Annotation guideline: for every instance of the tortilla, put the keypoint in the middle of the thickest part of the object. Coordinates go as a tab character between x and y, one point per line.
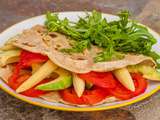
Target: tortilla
129	59
55	97
51	97
32	41
6	72
36	40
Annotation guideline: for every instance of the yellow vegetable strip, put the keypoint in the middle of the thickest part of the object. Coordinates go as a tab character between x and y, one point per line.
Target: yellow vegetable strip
10	56
35	67
8	47
45	70
79	85
125	78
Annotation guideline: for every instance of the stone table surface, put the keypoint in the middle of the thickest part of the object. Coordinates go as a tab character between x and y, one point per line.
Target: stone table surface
13	11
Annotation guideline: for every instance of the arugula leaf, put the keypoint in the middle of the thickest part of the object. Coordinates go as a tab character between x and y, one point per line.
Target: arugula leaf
115	38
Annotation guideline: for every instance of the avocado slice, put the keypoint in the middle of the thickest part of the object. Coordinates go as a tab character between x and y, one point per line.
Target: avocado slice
89	85
147	71
62	82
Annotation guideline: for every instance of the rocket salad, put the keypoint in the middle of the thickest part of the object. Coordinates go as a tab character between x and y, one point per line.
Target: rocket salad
86	62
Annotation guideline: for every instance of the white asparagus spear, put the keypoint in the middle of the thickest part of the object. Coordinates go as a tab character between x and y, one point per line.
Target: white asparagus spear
125	78
35	67
8	47
78	84
45	70
10	56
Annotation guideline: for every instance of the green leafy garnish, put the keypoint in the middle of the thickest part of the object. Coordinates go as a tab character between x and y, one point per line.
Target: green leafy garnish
115	37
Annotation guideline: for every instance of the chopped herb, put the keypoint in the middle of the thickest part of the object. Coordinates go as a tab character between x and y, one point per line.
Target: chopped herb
115	38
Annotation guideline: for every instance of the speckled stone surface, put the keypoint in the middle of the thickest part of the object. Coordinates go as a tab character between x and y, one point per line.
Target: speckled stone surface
13	11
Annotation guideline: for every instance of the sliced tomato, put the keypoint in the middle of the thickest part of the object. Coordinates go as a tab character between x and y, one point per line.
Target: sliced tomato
28	58
70	96
140	84
89	96
16	81
101	79
32	92
94	96
123	93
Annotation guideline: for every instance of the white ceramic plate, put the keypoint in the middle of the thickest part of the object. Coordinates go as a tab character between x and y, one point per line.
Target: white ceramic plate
73	16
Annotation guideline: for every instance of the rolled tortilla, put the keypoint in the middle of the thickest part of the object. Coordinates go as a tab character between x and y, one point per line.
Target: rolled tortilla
50	45
55	97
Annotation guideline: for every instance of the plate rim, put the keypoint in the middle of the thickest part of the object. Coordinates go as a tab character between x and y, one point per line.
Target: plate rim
80	109
75	109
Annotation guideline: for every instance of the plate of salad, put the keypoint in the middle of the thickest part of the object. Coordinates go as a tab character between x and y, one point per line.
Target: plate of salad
80	61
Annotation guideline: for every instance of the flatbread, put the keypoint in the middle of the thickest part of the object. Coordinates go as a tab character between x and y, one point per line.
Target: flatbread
36	40
129	59
6	72
51	97
55	97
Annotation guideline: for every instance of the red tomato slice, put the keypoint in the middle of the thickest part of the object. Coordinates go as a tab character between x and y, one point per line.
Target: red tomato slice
15	83
94	96
32	92
101	79
28	58
122	93
12	79
89	97
69	95
140	84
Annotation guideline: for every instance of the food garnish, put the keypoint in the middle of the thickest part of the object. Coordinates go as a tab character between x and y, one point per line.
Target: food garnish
115	37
